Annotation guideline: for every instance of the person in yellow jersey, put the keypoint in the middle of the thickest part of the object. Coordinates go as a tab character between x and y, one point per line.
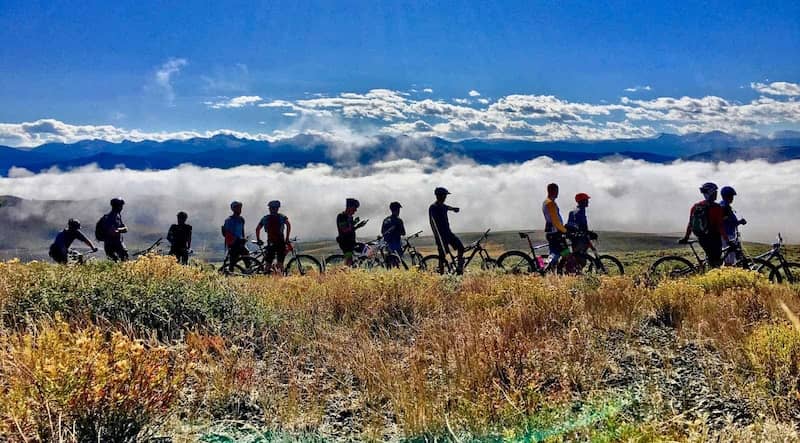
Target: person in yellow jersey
554	228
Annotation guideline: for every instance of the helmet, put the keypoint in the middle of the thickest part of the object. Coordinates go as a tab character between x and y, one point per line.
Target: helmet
394	206
441	191
352	203
274	204
581	197
236	204
74	224
117	202
183	215
727	191
708	187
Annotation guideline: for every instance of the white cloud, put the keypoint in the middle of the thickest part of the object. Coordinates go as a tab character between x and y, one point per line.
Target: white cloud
462	101
236	102
778	88
639	88
622	193
474	93
428	90
163	77
483	101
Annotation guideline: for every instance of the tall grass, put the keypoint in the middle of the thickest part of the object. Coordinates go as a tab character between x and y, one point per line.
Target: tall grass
405	353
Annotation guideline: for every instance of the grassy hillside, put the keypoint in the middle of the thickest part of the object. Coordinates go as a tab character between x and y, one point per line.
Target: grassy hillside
148	348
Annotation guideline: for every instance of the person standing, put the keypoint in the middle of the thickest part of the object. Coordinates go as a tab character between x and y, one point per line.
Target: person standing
346	227
730	222
111	227
554	228
393	230
180	239
59	250
278	231
705	222
444	236
233	231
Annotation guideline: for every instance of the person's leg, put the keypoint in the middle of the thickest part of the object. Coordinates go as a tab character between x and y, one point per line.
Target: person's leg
183	258
110	250
712	246
59	256
279	252
347	250
454	242
554	246
122	251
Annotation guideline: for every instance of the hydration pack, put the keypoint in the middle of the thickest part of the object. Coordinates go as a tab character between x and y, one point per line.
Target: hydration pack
100	228
701	221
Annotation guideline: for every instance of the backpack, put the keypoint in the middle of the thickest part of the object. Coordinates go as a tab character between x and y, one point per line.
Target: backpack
700	221
100	228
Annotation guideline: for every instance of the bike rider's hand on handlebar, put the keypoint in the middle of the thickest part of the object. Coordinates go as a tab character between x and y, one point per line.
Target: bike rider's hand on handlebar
742	222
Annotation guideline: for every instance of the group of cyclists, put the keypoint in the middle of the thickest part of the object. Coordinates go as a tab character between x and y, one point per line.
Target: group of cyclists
713	223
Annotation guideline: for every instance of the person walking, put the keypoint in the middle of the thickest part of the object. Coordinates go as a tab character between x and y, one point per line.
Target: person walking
109	230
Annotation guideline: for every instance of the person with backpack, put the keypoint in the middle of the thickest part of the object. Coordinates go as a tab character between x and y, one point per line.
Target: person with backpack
393	230
233	231
444	236
278	230
579	232
109	230
180	239
554	228
59	250
705	222
346	227
730	222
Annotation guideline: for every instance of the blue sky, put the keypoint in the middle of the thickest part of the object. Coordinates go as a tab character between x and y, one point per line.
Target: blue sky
166	67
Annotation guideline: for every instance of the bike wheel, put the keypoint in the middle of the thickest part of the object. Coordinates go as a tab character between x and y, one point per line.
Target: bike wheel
576	263
303	265
430	263
395	261
516	262
606	265
243	267
489	264
788	272
671	267
333	262
763	267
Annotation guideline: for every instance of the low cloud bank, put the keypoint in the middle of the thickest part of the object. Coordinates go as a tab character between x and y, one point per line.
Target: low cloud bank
627	195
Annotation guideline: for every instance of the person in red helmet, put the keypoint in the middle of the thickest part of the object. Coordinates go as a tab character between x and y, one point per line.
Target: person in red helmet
579	233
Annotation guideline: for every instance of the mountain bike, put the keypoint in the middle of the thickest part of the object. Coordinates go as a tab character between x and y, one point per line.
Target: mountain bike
589	261
371	255
76	257
450	266
298	264
519	262
155	247
674	266
790	270
244	266
394	260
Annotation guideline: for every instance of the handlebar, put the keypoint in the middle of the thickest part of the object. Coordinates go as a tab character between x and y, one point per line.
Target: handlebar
414	235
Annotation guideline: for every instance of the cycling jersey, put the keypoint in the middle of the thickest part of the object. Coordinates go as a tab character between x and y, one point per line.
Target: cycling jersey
438	217
274	225
179	237
233	230
577	219
729	219
392	231
552	217
65	238
112	222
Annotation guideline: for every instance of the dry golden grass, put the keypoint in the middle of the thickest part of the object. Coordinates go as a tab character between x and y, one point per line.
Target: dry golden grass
399	354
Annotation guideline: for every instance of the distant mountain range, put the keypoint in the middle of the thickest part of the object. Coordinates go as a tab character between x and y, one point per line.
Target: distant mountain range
224	151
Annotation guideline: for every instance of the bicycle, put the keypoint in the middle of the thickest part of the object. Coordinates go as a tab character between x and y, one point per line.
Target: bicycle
431	262
519	262
75	257
370	255
298	264
674	266
154	247
791	270
244	266
593	263
394	259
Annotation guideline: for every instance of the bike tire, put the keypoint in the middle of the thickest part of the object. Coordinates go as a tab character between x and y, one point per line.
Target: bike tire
589	265
670	267
489	264
430	263
607	265
335	261
516	262
303	264
791	272
245	266
763	267
395	261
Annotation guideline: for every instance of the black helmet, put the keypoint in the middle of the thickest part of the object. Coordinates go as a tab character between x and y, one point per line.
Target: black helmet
182	215
74	224
440	191
236	204
395	206
708	187
117	202
274	204
727	191
352	203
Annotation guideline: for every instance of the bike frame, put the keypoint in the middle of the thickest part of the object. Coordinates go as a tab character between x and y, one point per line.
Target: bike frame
476	249
775	252
533	248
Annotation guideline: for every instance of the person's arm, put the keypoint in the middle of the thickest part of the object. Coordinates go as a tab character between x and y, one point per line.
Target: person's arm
452	208
402	228
288	230
171	234
259	226
555	220
189	243
88	242
688	227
